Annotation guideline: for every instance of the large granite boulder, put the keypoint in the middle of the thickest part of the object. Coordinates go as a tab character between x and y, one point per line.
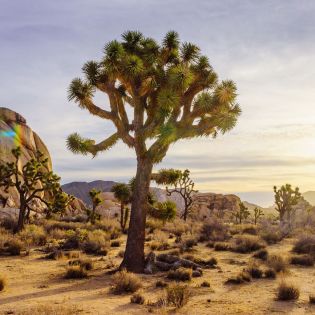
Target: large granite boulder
14	131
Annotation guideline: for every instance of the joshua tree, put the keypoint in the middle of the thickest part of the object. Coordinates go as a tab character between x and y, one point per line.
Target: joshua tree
182	184
257	214
173	94
122	192
285	199
96	201
31	181
241	214
164	211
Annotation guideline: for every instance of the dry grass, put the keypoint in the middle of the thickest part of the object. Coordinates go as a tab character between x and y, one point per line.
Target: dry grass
247	243
126	282
305	245
241	278
49	310
137	298
261	254
277	263
287	292
33	235
254	270
75	272
178	295
303	260
214	230
270	274
181	274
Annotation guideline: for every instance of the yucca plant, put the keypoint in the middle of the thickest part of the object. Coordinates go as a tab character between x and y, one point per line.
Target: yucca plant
173	94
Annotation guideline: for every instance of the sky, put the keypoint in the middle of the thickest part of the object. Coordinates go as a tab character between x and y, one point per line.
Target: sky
267	47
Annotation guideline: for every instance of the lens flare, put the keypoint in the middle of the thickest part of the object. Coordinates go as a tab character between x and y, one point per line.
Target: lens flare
14	134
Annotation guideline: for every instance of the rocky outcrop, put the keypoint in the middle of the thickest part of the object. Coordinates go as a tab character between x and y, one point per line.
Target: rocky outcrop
14	131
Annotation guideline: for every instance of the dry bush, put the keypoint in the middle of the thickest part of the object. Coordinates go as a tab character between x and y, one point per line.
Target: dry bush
261	254
206	263
305	245
86	263
55	254
160	241
287	292
312	299
75	272
254	270
48	309
121	254
205	284
221	246
72	254
188	244
161	284
2	283
96	242
33	235
214	230
303	260
8	223
180	274
247	243
74	238
242	277
270	234
57	234
178	295
153	225
249	229
137	298
14	247
126	282
270	274
115	244
277	263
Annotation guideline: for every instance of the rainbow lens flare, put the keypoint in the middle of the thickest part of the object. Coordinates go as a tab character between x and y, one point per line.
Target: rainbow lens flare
13	134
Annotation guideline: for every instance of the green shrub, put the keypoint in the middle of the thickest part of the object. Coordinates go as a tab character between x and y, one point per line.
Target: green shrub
180	274
137	299
247	243
75	272
126	282
303	260
287	292
178	295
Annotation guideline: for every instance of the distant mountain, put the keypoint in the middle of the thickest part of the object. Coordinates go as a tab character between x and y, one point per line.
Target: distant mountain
252	206
310	197
81	189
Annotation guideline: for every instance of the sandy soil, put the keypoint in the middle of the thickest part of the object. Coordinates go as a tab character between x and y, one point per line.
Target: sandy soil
35	281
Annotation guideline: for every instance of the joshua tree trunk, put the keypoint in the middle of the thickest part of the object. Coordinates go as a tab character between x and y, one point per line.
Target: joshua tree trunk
122	218
134	254
22	213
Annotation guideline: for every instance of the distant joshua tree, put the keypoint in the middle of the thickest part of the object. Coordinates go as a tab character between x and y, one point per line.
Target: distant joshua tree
241	214
158	95
285	199
96	200
183	185
122	192
258	212
32	181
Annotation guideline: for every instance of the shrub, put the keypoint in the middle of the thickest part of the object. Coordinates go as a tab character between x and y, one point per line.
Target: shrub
137	299
270	274
33	235
255	271
205	284
86	264
239	279
305	245
115	244
261	254
96	242
214	230
287	292
180	274
2	283
56	255
14	247
178	295
58	234
210	244
125	282
271	234
75	272
73	254
161	284
277	263
207	263
247	243
304	260
312	299
249	229
221	246
160	241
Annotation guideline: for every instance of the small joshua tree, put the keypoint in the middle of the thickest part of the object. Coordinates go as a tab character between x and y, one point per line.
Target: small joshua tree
285	199
122	192
241	214
258	212
183	185
164	211
32	181
158	94
96	201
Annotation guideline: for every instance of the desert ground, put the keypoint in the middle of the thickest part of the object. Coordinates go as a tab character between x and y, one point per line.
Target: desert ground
36	285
